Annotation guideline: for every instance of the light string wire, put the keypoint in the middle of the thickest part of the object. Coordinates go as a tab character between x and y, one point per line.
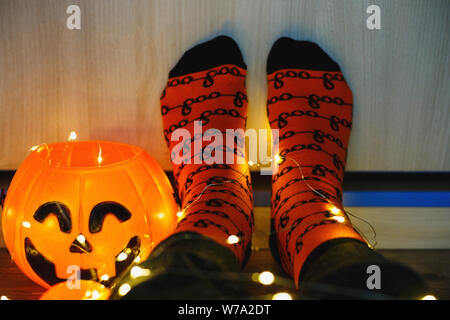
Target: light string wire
374	237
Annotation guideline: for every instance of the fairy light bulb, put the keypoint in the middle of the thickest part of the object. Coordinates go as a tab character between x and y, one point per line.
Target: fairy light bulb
338	219
250	163
278	159
233	239
34	148
335	210
137	259
104	277
282	296
429	297
4	298
122	256
266	278
100	158
81	238
95	295
124	289
26	224
72	136
180	214
137	271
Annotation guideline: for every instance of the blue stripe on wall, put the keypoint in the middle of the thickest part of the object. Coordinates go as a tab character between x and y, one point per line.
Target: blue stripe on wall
396	199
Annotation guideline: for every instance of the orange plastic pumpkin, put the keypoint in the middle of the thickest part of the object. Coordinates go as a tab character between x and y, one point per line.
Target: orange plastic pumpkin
86	290
90	204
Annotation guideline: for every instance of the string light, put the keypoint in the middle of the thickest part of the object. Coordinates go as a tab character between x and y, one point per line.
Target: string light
335	210
180	214
104	277
282	296
124	289
81	239
266	278
99	158
122	256
26	224
95	295
161	215
429	297
233	239
72	136
278	159
340	219
137	271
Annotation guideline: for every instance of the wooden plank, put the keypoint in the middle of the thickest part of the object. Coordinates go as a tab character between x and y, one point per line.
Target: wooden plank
104	81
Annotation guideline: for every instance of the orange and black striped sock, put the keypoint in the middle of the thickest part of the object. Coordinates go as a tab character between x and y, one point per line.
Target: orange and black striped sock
311	105
207	87
313	239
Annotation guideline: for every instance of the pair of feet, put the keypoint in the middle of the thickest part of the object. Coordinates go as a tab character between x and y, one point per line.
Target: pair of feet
310	104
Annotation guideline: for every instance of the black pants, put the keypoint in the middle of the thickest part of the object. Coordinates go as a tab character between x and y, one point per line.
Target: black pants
191	266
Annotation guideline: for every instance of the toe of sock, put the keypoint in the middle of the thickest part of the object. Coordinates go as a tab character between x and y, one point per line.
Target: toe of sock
288	53
216	52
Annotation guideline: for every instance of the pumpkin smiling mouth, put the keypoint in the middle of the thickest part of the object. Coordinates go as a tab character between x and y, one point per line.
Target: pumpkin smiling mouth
46	270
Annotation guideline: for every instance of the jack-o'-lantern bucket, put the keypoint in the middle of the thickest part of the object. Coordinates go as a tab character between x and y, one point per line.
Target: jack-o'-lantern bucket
86	207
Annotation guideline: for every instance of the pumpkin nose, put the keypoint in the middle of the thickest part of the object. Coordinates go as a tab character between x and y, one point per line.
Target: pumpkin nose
80	245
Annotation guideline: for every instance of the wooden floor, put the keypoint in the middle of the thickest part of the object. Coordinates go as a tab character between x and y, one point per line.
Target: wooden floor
432	265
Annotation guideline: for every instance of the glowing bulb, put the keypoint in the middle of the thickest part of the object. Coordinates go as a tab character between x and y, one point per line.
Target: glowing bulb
124	289
104	277
282	296
72	136
335	210
26	224
34	148
137	259
87	294
339	219
4	298
233	239
161	215
81	239
266	278
180	214
278	159
250	163
95	295
429	297
122	256
139	272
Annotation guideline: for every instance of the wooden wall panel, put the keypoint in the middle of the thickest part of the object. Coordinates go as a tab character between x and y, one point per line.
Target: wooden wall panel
104	81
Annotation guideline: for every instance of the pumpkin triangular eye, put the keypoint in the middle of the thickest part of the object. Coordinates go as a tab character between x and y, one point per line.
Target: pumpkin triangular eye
61	212
99	212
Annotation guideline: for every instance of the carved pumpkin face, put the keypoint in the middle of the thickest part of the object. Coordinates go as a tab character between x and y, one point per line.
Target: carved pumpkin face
91	205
